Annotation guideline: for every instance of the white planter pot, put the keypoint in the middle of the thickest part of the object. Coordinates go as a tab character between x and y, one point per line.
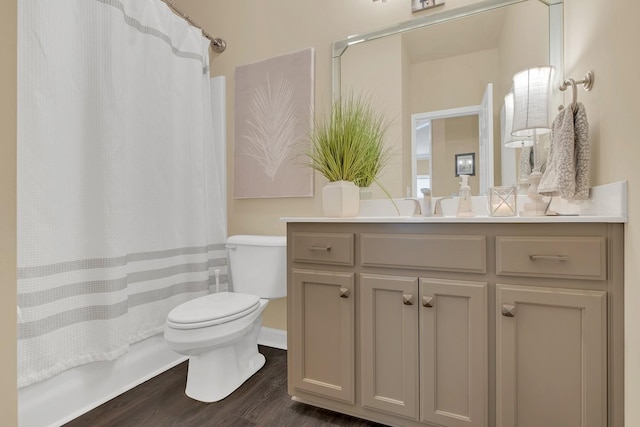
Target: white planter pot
341	199
366	193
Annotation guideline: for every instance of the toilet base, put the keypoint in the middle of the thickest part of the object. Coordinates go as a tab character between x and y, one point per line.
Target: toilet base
215	374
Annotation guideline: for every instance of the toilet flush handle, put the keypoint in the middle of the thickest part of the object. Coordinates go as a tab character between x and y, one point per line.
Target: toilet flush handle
230	246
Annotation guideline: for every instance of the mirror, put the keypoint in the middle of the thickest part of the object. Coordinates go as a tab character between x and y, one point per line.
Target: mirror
444	61
458	134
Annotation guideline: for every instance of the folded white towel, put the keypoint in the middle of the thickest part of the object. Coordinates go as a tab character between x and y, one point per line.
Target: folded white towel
568	167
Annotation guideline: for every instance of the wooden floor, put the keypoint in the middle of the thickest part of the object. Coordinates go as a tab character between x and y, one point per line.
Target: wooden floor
261	401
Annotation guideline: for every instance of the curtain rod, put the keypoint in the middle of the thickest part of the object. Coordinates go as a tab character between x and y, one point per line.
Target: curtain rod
217	44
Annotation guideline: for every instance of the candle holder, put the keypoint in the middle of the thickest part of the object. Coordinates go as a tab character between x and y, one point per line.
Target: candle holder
503	201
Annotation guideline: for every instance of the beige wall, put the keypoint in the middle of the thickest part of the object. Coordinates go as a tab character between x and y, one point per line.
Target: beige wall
8	364
423	167
363	70
461	135
454	82
407	132
523	43
599	35
453	136
602	36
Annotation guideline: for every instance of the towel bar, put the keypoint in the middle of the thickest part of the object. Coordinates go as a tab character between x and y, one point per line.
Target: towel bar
587	84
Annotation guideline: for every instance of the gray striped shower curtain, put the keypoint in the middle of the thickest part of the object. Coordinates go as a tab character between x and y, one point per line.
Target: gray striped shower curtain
121	209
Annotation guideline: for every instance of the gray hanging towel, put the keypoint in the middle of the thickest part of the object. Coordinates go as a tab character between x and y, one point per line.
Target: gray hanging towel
568	166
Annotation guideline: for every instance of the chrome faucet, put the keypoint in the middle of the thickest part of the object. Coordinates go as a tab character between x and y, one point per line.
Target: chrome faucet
437	211
418	209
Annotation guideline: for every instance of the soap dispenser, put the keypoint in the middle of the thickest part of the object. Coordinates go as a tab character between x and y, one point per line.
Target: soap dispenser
465	208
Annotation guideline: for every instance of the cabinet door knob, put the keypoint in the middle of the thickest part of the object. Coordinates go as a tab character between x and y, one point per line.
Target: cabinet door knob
407	299
508	310
344	292
427	301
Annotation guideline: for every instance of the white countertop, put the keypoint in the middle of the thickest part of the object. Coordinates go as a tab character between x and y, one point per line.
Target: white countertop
607	203
453	219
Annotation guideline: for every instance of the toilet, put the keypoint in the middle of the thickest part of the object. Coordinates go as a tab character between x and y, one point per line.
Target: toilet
219	332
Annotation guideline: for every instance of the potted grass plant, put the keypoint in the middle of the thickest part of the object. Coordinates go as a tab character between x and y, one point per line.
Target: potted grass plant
348	149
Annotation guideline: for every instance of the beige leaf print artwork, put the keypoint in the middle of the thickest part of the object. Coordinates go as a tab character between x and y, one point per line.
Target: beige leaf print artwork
271	128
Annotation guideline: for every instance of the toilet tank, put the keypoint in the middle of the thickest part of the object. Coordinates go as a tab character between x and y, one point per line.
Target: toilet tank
258	265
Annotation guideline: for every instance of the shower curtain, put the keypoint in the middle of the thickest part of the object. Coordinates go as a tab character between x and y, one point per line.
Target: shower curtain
121	213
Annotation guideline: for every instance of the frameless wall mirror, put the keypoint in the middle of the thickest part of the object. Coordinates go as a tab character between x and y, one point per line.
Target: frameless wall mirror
458	61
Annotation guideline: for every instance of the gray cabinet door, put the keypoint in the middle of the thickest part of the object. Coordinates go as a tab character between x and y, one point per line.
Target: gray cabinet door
389	343
550	357
323	345
453	353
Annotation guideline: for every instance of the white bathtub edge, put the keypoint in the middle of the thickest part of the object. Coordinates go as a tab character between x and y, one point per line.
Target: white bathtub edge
60	399
66	396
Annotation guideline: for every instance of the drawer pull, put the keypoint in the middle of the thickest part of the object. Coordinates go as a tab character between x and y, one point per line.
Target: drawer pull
344	292
407	299
320	248
508	310
548	257
427	301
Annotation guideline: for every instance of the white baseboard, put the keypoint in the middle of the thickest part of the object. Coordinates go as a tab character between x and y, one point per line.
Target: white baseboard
276	338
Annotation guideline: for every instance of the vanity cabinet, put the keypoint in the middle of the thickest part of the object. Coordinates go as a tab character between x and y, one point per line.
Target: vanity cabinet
453	353
389	344
423	348
474	325
324	309
551	355
324	363
553	340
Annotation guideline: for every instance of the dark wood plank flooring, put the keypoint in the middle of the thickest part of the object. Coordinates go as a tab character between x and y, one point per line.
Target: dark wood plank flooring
261	401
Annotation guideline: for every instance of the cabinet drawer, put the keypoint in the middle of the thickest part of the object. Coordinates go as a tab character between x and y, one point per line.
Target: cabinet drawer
463	253
323	248
559	257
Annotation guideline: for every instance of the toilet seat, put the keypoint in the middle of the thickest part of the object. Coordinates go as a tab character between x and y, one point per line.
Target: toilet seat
211	310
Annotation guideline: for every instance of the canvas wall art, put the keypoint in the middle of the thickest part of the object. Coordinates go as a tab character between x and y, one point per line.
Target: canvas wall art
273	115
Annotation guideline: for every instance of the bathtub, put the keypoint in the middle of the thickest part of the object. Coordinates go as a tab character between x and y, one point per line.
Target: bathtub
68	395
71	393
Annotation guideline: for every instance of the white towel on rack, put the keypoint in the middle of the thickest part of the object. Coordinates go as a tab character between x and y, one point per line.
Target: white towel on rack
568	168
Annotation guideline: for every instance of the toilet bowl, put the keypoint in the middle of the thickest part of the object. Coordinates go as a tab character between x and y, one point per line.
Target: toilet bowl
219	332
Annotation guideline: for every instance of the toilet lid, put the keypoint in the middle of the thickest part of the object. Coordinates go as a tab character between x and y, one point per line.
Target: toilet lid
212	309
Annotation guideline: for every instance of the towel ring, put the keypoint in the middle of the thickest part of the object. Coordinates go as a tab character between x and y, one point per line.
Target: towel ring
587	84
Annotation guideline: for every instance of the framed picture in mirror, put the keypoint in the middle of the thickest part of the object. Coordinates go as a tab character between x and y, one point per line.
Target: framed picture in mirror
418	5
466	164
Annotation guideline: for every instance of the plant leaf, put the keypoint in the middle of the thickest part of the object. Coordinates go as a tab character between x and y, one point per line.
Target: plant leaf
349	144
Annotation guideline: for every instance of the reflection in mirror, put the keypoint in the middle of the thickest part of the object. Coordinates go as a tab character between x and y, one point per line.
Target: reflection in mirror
442	66
450	133
444	138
